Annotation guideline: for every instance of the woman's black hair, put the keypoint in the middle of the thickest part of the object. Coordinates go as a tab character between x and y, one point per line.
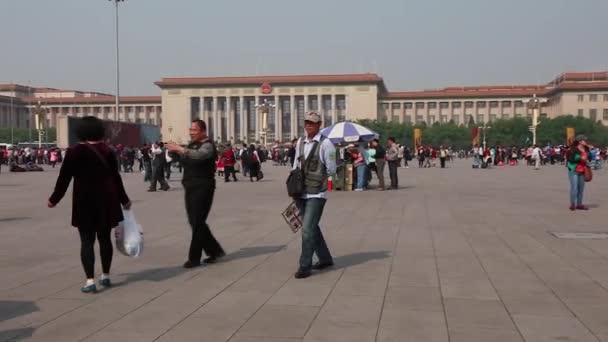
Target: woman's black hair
90	128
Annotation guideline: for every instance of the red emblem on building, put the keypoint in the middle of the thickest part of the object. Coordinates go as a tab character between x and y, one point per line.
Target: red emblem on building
266	88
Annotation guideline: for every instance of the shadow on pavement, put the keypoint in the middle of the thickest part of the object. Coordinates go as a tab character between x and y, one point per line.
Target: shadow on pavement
16	334
153	274
344	261
164	273
249	252
10	309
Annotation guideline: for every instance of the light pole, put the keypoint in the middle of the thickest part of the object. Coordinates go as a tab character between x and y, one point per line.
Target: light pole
264	109
484	128
117	100
11	122
535	103
40	118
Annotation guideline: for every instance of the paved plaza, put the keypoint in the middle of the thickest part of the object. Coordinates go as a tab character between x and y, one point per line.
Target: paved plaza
455	255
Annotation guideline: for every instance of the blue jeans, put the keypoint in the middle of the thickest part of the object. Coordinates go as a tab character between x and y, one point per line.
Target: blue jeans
577	187
312	239
361	176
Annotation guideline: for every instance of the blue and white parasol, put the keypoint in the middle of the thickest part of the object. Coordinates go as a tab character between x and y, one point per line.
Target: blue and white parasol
348	132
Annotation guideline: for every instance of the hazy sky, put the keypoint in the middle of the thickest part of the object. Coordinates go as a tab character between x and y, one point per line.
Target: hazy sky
412	44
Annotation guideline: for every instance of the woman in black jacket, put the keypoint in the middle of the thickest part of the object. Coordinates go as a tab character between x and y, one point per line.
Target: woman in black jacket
96	198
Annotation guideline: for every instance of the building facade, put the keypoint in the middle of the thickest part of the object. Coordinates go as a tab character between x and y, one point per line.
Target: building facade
17	103
229	105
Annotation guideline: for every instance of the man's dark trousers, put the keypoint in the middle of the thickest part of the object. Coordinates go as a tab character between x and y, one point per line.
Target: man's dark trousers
199	198
392	171
312	239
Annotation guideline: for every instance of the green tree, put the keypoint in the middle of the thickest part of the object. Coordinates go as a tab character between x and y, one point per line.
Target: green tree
503	132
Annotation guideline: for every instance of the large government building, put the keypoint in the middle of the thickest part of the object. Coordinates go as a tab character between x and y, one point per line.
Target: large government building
228	104
231	105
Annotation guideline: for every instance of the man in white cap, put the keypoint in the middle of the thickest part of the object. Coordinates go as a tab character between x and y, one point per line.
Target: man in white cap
316	157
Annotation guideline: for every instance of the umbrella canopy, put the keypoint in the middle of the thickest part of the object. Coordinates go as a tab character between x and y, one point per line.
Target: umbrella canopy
348	132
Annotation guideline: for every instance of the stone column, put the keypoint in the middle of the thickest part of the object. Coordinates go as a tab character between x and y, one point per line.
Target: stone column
334	109
294	117
215	115
201	109
320	109
278	119
258	119
229	120
242	119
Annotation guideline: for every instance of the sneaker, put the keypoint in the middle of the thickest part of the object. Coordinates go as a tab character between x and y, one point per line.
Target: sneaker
213	259
105	282
301	274
322	265
582	207
89	289
191	264
572	208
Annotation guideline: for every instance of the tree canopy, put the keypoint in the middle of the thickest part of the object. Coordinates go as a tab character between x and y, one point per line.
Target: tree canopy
23	135
504	132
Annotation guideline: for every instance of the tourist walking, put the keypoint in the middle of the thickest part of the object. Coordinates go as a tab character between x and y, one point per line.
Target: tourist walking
252	159
159	161
537	156
380	162
97	199
392	154
577	162
316	158
229	160
198	160
443	155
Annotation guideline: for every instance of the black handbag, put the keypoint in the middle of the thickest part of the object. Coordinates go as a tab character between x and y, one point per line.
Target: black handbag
295	183
295	180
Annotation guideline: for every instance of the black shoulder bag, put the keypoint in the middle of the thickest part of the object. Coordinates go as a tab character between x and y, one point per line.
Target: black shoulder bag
295	180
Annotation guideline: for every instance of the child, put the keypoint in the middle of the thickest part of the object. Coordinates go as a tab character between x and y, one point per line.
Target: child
220	166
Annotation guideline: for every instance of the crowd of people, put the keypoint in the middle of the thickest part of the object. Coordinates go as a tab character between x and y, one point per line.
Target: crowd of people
532	156
100	195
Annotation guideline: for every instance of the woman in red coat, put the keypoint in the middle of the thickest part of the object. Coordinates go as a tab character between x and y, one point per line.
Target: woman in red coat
96	197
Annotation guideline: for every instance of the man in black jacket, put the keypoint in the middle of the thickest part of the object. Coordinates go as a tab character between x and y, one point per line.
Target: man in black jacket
380	162
198	160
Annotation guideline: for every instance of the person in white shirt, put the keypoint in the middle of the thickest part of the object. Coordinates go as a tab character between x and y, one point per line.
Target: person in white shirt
537	156
316	157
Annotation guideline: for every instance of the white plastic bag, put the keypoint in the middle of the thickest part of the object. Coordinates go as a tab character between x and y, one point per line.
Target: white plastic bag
129	235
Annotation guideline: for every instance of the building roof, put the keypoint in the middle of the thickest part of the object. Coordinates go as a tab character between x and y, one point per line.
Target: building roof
15	87
467	93
259	80
567	82
580	77
92	100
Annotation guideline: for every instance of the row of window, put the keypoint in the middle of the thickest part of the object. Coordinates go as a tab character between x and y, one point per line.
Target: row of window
592	97
456	118
445	105
593	113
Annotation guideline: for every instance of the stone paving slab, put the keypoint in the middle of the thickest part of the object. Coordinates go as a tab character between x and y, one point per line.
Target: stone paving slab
454	255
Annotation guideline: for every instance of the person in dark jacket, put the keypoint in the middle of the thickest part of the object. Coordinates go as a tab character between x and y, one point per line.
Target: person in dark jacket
252	158
96	199
159	162
198	159
380	163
